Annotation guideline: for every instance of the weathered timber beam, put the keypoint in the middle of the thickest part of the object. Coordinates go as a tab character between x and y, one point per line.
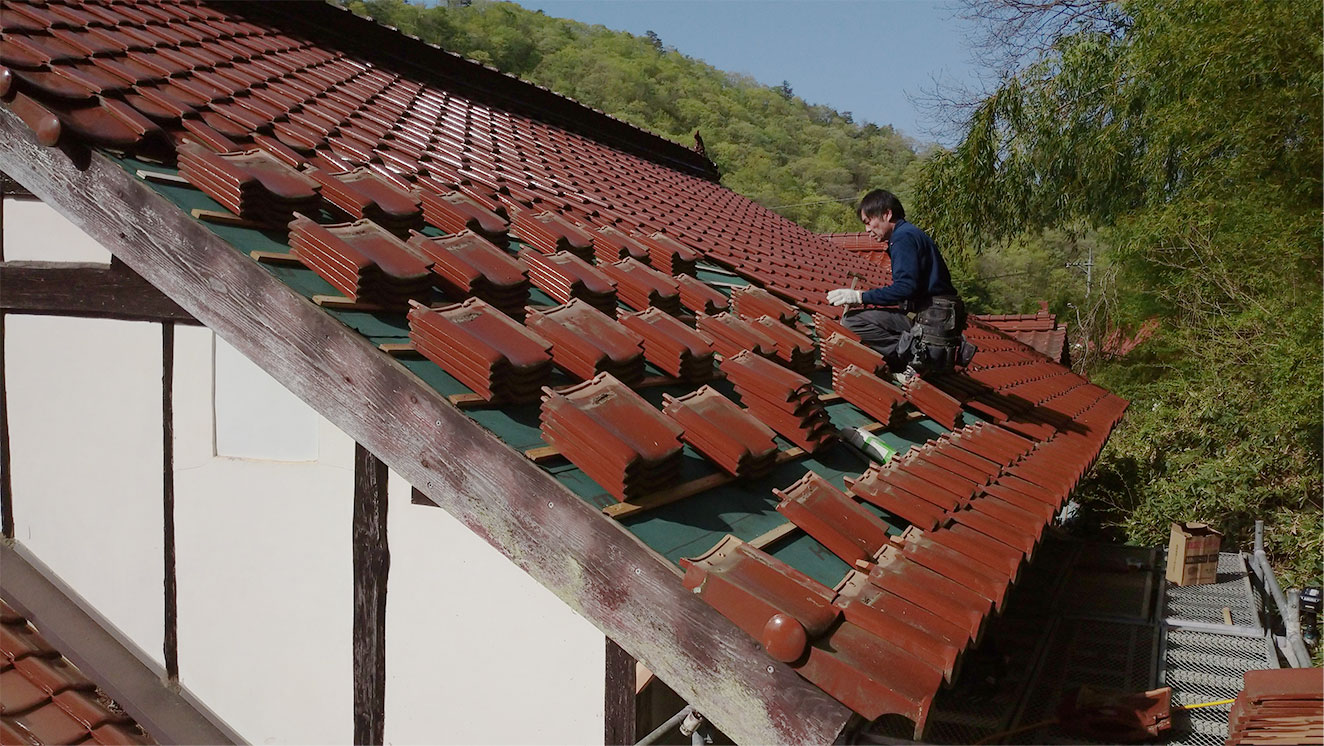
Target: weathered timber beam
91	290
596	567
372	564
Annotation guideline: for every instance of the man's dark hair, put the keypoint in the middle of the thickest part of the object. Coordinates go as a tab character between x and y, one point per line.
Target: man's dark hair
879	201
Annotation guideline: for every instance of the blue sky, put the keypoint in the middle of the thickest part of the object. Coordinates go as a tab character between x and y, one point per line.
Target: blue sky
861	56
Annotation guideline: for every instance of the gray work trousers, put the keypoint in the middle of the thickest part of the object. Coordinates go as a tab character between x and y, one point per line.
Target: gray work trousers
881	330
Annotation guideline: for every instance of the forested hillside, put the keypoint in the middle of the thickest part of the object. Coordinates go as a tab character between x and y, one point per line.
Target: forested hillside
769	144
1176	144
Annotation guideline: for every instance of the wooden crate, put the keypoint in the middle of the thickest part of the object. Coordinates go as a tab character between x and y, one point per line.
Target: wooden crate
1193	554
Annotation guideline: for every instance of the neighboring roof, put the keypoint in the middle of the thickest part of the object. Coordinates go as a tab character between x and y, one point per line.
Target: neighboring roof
873	602
1118	344
45	699
1038	330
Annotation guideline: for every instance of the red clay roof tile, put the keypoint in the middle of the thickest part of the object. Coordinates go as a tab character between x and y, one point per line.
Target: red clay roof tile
723	432
617	438
669	344
45	699
839	523
586	343
753	589
485	349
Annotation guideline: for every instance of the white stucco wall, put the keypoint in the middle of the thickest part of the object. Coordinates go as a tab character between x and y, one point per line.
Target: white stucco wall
85	445
263	563
36	232
477	651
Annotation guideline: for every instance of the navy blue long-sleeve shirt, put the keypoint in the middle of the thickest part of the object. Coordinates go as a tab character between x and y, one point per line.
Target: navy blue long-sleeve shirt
918	270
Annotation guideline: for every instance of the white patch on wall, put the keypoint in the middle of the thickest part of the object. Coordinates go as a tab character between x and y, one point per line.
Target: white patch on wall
256	417
35	232
264	566
86	446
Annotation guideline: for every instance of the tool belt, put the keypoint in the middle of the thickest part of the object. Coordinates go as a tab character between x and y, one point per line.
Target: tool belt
936	332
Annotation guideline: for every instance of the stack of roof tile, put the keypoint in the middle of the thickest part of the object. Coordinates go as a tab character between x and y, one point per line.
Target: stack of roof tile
674	348
840	352
752	302
700	297
586	343
365	194
640	286
611	245
782	399
794	350
878	398
467	264
613	435
483	348
669	255
1279	706
825	327
549	233
362	260
454	212
45	699
723	432
732	335
564	276
935	403
252	184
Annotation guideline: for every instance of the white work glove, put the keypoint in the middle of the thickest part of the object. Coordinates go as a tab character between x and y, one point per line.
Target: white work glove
844	297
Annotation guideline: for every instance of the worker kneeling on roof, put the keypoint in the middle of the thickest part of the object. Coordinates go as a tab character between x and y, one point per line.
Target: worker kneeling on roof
921	288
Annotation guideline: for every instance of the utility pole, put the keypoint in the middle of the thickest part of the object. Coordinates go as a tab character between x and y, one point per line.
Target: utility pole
1088	266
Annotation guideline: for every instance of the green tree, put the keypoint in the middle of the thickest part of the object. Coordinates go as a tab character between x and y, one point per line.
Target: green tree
1184	137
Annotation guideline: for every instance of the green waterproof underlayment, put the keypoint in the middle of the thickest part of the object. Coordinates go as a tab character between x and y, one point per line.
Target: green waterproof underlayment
686	528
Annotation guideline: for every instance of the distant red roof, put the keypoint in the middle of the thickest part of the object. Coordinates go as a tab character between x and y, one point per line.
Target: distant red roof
1038	330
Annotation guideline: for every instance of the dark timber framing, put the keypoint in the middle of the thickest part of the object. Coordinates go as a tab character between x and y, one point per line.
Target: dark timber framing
6	473
595	566
170	642
618	709
83	289
372	565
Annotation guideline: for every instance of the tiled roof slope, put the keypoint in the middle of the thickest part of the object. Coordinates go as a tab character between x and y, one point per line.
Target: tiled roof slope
863	245
45	699
869	582
144	76
1039	330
